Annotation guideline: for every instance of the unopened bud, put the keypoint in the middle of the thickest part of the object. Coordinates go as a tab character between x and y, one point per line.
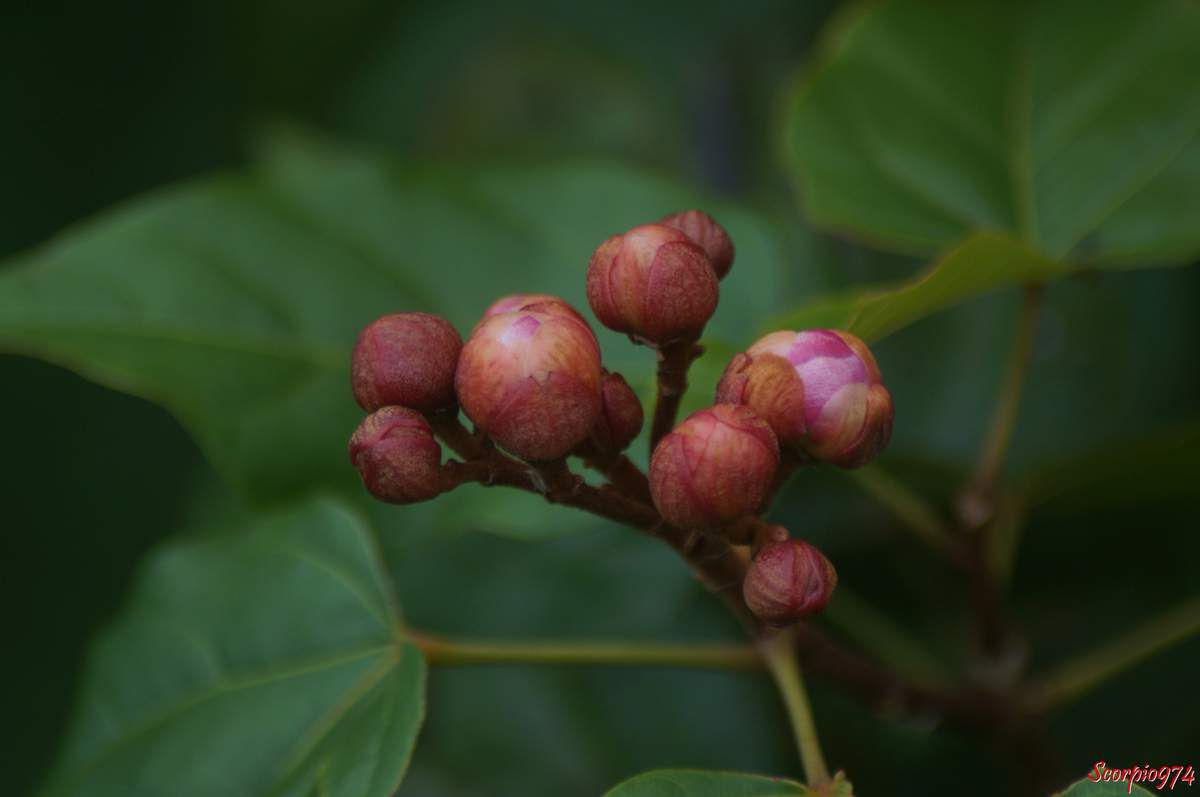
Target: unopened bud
652	283
832	405
788	581
715	467
621	416
541	302
396	455
710	236
406	359
531	380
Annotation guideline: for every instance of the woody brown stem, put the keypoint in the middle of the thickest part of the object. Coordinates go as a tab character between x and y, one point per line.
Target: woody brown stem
721	567
674	359
621	472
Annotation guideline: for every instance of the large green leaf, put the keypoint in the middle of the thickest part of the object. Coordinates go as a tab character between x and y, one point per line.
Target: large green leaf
234	301
1071	125
265	660
983	263
1090	788
694	783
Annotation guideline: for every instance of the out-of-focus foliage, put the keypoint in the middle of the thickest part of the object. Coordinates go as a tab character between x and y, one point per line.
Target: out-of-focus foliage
686	783
261	660
1072	125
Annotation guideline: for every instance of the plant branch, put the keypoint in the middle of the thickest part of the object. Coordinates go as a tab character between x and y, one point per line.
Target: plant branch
674	359
779	653
620	471
445	651
721	567
977	501
1076	677
914	514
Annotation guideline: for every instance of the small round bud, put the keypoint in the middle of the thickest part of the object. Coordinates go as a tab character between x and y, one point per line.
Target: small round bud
621	416
652	283
788	581
406	359
715	467
710	236
832	405
542	302
531	380
396	455
770	386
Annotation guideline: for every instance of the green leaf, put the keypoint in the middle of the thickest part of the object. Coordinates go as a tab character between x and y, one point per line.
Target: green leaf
234	301
1088	788
278	639
924	122
983	263
694	783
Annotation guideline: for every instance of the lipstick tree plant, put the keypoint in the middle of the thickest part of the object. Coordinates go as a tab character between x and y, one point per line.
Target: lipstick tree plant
271	656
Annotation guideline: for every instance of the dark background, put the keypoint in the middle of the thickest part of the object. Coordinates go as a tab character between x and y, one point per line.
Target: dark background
105	100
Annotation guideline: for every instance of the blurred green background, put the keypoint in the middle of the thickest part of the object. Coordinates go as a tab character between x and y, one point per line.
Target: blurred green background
105	101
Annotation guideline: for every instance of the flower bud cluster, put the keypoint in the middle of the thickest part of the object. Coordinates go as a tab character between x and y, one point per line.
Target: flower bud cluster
530	378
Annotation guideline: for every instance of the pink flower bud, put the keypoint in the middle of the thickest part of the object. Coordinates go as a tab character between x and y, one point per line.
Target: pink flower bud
653	283
836	409
715	467
710	236
531	380
542	302
787	581
621	417
406	359
396	455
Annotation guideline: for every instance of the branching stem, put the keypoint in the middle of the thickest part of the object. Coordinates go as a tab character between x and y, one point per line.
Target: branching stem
674	359
1088	671
452	652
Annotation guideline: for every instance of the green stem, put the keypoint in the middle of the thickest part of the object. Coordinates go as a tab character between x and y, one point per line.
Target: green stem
1077	677
451	652
978	499
910	509
779	653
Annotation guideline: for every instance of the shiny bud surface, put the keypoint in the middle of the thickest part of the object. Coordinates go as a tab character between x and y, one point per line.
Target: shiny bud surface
531	381
406	359
653	283
395	453
836	410
788	581
709	235
715	467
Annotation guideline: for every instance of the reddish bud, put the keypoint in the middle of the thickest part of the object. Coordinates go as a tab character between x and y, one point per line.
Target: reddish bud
706	233
715	467
621	416
653	283
770	386
787	581
396	455
406	359
542	302
531	380
831	406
